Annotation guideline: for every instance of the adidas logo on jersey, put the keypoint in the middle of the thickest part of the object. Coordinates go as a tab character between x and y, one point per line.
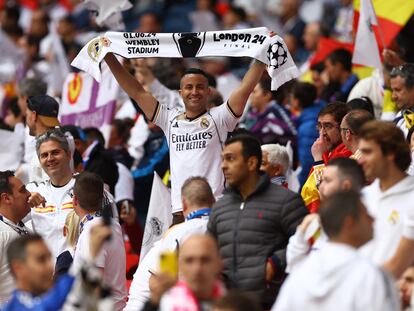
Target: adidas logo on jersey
176	124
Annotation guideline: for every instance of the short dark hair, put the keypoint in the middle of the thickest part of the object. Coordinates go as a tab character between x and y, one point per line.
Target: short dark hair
17	248
405	71
356	119
337	109
89	190
336	208
350	169
391	140
197	191
5	186
196	71
250	146
237	300
305	93
362	103
342	56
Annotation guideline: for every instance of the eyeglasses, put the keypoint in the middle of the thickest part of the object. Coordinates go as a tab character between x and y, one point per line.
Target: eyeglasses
326	126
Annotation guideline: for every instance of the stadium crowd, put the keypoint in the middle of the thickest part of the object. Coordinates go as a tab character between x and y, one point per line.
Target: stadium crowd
188	183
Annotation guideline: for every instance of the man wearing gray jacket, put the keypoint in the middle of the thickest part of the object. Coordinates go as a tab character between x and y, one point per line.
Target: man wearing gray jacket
253	221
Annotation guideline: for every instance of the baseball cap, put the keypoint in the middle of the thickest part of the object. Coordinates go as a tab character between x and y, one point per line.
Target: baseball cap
46	107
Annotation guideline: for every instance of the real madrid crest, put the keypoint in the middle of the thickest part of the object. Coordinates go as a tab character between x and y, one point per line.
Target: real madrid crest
204	123
95	47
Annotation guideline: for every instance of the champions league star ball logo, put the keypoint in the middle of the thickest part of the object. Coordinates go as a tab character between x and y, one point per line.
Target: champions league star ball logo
277	55
189	44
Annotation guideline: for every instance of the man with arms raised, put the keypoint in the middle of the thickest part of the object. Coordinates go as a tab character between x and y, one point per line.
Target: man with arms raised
195	136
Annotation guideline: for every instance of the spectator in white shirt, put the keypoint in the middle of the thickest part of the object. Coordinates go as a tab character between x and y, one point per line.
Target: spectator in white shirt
197	198
88	197
385	157
336	277
13	208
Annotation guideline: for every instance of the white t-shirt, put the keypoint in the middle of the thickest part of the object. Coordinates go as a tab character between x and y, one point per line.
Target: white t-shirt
112	259
337	278
49	221
393	218
195	146
139	291
7	285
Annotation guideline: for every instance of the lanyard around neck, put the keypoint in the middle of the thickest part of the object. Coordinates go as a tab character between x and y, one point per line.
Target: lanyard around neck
19	228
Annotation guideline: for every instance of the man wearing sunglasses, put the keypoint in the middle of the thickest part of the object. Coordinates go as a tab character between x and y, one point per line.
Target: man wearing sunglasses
402	86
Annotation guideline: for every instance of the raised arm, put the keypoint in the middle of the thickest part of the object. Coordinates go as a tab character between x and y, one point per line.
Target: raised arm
132	87
240	95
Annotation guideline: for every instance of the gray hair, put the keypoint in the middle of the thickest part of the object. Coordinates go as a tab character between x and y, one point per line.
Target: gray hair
32	87
277	155
54	134
405	71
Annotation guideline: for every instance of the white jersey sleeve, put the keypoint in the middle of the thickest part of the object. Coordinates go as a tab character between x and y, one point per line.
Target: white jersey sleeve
162	117
224	117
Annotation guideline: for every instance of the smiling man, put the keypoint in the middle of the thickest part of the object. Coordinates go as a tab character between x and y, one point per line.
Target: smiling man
195	136
49	218
253	221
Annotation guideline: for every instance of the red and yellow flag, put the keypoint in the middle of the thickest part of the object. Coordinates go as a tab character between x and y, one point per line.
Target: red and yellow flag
391	16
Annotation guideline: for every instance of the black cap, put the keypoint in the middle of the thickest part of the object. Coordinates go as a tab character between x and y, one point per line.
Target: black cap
46	107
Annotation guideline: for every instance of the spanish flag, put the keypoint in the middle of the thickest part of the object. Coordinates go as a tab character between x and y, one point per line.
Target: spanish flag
392	15
310	192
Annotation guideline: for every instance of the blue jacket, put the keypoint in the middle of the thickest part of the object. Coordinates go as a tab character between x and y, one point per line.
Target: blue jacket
307	134
52	300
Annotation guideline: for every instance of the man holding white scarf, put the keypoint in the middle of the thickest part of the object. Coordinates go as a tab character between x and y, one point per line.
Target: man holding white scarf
194	136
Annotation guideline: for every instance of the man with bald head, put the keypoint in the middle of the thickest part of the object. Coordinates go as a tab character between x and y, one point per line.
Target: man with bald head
199	266
197	198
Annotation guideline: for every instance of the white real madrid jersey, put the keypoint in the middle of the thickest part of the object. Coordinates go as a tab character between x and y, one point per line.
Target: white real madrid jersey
195	146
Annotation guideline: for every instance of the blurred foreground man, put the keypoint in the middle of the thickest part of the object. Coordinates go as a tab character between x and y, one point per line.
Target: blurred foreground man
199	267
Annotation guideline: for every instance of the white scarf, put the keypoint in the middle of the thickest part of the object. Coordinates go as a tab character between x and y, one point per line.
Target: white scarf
253	42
